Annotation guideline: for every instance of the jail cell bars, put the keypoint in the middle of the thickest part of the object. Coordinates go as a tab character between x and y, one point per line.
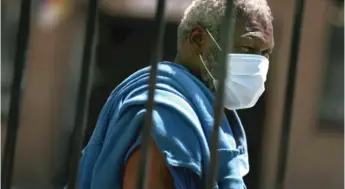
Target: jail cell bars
227	31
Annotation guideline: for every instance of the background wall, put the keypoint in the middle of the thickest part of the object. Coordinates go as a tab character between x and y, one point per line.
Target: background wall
316	150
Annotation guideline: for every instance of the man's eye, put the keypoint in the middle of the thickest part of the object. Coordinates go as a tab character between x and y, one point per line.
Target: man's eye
266	54
247	49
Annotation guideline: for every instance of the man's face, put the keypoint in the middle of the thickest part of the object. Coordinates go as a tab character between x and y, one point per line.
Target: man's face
253	35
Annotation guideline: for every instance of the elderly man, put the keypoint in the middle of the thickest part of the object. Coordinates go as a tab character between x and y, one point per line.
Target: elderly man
183	114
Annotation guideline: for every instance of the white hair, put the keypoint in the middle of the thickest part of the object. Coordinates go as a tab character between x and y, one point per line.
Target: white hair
209	13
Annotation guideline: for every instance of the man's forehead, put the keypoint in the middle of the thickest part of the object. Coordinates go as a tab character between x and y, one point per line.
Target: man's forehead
258	25
251	22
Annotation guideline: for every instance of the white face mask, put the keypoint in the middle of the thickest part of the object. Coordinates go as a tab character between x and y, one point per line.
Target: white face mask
245	81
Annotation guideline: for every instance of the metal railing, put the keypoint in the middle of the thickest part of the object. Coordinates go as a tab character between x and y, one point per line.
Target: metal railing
146	131
16	94
289	94
84	92
227	31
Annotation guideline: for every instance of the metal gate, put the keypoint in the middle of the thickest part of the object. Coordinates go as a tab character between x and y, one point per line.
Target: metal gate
84	92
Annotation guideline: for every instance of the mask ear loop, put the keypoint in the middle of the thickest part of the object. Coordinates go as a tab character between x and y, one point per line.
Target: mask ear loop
208	71
202	60
209	33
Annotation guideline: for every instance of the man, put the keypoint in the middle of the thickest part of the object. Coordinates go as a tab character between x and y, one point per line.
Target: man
183	114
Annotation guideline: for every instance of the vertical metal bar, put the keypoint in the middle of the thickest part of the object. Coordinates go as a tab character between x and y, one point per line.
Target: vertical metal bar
146	131
285	134
226	42
16	94
83	93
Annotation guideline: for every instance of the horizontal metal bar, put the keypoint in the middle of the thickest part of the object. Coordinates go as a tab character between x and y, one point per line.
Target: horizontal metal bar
83	93
16	94
226	43
289	95
146	131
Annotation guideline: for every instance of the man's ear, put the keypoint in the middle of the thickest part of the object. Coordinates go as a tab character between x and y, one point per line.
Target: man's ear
197	39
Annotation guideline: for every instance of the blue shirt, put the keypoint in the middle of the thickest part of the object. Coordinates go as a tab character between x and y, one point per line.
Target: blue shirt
182	130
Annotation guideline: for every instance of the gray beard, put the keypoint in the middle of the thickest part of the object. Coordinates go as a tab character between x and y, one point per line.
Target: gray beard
211	63
208	81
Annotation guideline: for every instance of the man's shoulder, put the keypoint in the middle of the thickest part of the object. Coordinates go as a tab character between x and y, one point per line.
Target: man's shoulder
163	69
169	75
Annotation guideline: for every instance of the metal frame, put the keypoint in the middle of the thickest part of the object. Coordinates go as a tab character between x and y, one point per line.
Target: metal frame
146	131
289	94
16	94
83	93
226	32
226	43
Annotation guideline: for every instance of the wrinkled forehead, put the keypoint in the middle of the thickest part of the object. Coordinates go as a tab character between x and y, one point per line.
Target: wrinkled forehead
250	26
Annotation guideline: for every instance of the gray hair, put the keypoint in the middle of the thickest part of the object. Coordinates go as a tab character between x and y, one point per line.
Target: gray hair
209	13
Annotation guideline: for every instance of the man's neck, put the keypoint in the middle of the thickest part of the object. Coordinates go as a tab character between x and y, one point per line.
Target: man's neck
189	66
196	72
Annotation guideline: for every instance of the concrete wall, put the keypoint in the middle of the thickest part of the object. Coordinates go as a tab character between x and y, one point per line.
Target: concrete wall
46	120
315	157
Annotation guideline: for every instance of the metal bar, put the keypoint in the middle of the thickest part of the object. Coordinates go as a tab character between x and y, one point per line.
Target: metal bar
226	43
16	94
285	134
146	131
83	93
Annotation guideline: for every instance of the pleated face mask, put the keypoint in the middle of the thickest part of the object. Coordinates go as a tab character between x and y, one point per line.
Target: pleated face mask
245	81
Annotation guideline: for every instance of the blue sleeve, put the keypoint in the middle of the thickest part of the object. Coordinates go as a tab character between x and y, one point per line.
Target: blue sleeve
230	170
181	130
181	139
178	135
183	178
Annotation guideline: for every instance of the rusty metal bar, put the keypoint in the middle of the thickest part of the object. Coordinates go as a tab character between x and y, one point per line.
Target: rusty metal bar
291	79
83	93
226	43
16	94
156	56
